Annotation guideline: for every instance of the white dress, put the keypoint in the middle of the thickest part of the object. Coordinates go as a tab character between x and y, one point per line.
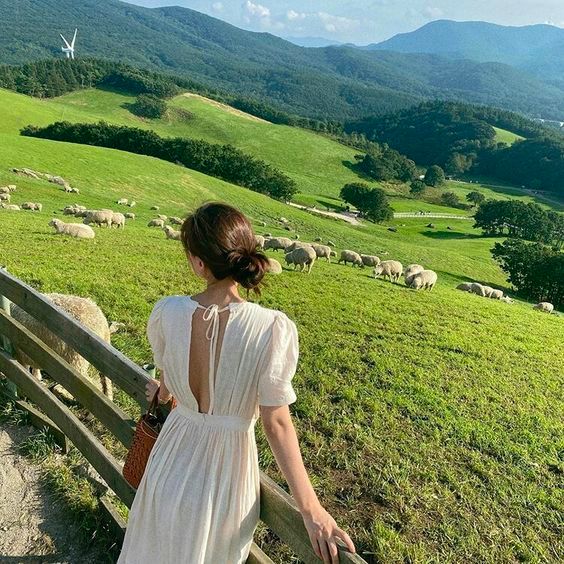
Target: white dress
198	501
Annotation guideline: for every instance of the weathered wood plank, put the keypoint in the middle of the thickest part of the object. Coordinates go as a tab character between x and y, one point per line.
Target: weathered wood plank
111	416
257	556
5	342
108	360
40	421
102	461
279	511
116	522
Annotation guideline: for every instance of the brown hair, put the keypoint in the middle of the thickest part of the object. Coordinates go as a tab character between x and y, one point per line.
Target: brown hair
222	237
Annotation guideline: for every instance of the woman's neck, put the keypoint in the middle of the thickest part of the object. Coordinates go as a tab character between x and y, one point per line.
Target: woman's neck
220	292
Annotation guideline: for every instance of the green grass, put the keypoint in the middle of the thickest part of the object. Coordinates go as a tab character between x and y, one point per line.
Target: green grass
504	136
431	423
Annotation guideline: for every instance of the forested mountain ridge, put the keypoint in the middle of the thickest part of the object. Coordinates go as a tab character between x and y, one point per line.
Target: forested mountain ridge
327	83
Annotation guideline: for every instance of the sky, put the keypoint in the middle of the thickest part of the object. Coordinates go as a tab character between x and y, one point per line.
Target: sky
365	21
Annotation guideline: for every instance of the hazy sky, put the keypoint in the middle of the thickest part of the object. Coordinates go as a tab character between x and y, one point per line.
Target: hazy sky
366	21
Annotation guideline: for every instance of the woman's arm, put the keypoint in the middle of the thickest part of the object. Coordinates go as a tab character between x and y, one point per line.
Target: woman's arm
283	441
152	386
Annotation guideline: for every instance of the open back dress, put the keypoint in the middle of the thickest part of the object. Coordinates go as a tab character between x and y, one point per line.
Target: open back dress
198	500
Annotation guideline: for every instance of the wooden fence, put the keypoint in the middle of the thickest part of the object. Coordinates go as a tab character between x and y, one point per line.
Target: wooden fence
277	509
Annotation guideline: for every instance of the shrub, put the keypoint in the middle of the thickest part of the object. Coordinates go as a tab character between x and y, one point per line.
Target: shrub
148	105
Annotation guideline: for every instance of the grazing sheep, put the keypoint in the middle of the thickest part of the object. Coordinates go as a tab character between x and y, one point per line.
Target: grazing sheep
323	251
352	257
431	225
318	240
390	268
73	229
175	220
132	204
84	311
122	202
274	266
507	300
12	207
496	294
488	291
156	223
70	210
33	206
370	260
276	243
465	287
477	289
163	217
6	197
99	217
129	215
70	189
11	187
424	279
171	233
118	219
411	270
544	306
304	257
283	220
4	189
156	208
297	245
260	240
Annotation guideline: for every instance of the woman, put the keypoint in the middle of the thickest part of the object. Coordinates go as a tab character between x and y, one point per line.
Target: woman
226	361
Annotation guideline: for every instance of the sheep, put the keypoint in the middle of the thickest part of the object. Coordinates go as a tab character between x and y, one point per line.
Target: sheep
6	197
33	206
86	312
430	225
370	260
156	223
11	187
304	257
171	233
122	202
132	204
4	190
318	240
544	306
323	251
507	300
259	239
99	217
69	210
496	294
425	279
155	208
390	268
73	229
410	270
276	243
297	245
352	257
129	215
68	188
163	217
477	289
175	220
274	267
465	287
118	219
12	207
488	291
283	220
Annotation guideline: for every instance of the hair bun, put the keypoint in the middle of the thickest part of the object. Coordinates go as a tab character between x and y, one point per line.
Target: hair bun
248	269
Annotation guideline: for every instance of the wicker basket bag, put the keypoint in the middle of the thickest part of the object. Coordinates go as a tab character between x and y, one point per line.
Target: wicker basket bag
146	432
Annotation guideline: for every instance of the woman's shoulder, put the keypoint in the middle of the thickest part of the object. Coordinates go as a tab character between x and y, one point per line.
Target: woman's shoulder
269	315
169	303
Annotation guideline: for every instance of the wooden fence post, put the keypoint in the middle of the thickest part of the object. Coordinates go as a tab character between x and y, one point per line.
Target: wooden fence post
5	304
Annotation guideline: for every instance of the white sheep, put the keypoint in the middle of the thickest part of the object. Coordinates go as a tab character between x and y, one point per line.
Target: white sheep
410	270
465	287
156	223
122	202
478	289
276	243
99	217
496	294
259	240
6	197
488	291
171	233
4	189
390	268
33	206
12	207
544	306
425	279
73	229
84	311
118	219
370	260
323	251
302	257
175	220
163	217
350	256
132	204
12	187
129	215
274	267
297	245
156	208
507	300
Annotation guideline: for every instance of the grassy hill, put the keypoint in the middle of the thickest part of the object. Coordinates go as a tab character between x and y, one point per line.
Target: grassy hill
431	423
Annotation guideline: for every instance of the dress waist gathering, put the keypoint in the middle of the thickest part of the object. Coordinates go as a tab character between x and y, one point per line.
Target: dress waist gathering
227	422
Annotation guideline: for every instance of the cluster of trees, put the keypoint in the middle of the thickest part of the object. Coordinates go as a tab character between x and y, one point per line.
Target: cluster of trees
372	203
149	105
383	163
223	161
535	270
520	220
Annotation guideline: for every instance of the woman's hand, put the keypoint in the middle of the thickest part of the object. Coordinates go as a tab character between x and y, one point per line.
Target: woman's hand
323	530
150	388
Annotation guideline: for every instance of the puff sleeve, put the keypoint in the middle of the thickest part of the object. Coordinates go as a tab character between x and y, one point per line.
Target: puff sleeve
275	380
155	333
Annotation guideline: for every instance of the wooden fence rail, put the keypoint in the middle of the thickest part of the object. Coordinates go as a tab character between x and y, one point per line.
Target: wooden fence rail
278	509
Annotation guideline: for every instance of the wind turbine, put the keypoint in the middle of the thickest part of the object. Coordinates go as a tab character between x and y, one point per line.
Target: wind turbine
69	49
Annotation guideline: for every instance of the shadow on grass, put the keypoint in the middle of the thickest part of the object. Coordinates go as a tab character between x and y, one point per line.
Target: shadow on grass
450	235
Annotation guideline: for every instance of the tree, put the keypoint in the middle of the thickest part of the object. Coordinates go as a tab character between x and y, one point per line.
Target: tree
434	176
371	202
355	193
450	199
148	105
417	188
475	198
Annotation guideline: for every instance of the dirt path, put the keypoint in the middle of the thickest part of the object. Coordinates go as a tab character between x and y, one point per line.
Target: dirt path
34	527
430	215
224	107
349	218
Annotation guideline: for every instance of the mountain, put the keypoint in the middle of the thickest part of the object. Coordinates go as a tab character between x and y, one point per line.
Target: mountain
538	49
312	41
328	83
